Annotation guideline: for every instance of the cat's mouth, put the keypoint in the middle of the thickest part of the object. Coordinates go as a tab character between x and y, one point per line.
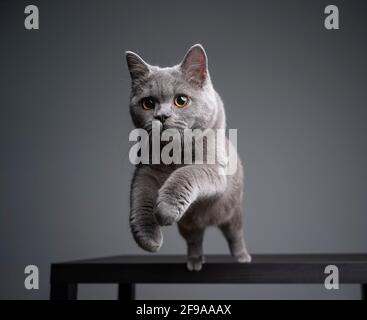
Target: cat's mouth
178	125
159	127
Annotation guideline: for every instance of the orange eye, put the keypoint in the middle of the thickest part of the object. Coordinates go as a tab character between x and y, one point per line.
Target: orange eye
181	100
148	103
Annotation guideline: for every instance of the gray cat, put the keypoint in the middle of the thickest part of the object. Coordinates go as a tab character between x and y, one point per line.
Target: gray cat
196	195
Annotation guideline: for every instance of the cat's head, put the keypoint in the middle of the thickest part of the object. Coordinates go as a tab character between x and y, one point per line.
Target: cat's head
180	97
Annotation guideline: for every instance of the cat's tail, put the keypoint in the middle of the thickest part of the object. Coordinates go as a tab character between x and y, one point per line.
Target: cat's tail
146	231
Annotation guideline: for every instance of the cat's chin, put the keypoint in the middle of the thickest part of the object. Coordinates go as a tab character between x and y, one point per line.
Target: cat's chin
173	127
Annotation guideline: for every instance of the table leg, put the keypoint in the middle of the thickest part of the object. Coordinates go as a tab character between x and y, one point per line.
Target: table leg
67	291
364	291
126	291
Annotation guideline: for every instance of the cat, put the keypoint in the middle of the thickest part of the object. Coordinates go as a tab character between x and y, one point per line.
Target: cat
194	196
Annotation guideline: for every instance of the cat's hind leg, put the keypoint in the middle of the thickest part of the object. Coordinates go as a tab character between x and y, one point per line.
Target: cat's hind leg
194	240
233	232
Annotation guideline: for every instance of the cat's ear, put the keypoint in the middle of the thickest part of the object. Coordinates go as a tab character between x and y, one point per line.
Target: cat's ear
137	66
195	65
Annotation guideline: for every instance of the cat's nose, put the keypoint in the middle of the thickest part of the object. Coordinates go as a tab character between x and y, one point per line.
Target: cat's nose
161	117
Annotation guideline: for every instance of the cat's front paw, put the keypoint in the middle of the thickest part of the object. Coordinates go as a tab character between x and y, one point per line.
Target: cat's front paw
194	263
151	240
244	257
166	214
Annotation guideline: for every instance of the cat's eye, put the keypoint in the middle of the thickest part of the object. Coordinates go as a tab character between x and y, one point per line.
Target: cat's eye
181	100
148	103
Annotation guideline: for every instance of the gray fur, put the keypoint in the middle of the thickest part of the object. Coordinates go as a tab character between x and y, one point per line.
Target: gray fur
195	196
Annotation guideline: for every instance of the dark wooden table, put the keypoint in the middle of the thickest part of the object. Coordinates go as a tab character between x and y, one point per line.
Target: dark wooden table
126	271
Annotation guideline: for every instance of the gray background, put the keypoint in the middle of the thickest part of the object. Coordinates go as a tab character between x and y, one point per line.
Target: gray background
295	92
